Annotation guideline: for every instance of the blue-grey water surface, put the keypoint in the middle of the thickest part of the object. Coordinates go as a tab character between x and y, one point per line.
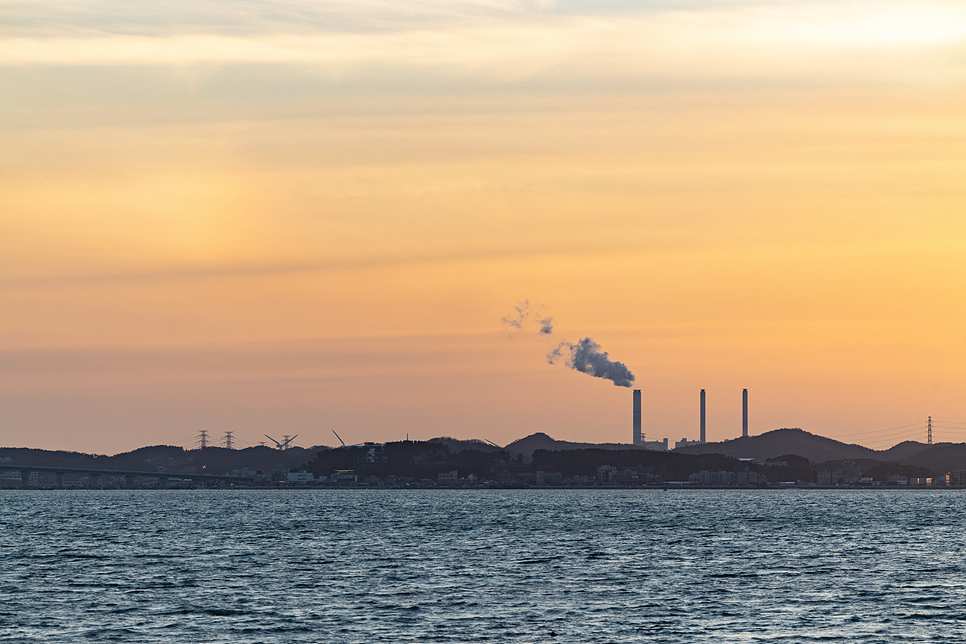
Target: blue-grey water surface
482	566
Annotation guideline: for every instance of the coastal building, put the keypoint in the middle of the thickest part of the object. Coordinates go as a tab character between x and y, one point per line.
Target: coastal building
344	476
684	442
631	476
606	474
848	474
447	478
548	478
705	477
724	478
299	477
747	477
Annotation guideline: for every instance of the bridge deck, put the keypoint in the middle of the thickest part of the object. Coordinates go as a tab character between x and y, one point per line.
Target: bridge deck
99	472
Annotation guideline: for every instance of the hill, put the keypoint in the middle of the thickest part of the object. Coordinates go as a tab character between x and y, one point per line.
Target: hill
940	459
527	446
166	458
936	459
773	444
458	444
902	451
481	455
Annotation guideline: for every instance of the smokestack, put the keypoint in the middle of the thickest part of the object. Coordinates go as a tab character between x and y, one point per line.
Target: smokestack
702	418
744	413
637	418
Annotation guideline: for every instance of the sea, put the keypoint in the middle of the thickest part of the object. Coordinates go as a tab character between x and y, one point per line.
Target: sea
289	566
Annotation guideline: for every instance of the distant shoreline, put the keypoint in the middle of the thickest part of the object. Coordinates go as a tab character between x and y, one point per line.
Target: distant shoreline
649	488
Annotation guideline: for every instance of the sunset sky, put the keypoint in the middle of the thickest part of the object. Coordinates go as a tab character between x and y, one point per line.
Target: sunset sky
294	217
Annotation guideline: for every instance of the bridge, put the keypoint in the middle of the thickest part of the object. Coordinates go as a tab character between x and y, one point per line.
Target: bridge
129	475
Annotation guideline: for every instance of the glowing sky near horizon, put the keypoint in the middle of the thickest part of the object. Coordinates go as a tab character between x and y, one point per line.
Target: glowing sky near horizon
294	217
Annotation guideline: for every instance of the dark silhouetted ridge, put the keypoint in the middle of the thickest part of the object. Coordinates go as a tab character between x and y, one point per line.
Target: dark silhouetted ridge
533	442
938	459
773	444
902	451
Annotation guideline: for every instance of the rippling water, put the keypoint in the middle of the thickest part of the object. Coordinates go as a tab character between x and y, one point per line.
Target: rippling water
474	566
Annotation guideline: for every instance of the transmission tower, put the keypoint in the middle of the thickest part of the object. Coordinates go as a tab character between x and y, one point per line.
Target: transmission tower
929	431
203	438
229	444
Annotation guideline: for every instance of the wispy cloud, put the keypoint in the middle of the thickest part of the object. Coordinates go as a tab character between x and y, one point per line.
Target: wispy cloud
510	41
254	269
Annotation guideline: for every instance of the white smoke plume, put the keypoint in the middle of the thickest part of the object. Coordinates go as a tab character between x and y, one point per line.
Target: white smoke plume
586	357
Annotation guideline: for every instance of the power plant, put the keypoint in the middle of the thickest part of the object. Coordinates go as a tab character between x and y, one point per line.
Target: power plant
744	413
703	423
638	435
637	417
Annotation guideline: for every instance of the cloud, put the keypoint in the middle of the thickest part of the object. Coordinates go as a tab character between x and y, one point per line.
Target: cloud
506	45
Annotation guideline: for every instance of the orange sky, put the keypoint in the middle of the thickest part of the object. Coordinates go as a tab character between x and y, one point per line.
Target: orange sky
290	218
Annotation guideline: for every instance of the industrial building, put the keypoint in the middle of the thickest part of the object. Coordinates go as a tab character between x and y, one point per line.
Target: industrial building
744	413
638	436
638	439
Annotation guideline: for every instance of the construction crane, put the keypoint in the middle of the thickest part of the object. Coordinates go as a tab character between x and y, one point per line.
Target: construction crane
285	441
339	437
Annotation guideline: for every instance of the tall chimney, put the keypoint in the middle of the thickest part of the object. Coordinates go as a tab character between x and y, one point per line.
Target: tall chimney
744	413
637	418
703	427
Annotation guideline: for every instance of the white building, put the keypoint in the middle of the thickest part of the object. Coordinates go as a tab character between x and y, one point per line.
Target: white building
684	442
655	446
447	478
607	474
299	477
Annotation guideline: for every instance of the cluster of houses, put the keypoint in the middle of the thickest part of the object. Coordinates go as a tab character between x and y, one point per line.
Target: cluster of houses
849	474
846	475
607	475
